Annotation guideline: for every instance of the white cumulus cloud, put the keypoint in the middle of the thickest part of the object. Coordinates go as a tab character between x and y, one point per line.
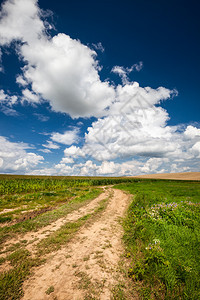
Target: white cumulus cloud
74	151
51	145
60	70
29	96
7	99
124	72
14	157
67	138
20	21
192	132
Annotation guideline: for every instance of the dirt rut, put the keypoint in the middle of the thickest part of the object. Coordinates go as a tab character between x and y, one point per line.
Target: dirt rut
87	267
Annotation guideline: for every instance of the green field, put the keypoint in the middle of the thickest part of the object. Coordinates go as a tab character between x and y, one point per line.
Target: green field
162	236
161	229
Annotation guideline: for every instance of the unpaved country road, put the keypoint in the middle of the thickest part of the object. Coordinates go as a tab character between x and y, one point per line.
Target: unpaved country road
87	267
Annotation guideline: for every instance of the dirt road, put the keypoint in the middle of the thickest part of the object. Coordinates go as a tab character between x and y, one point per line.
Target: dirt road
87	267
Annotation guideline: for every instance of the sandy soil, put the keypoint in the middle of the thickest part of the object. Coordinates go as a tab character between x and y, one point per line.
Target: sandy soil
87	267
6	210
175	176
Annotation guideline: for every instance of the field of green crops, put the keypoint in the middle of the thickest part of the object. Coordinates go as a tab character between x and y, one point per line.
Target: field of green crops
17	184
162	236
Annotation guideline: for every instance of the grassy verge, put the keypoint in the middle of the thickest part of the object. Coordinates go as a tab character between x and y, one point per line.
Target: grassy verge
162	235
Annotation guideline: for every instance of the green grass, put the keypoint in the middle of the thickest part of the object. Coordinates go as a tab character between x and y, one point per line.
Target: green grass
11	281
50	290
162	235
39	199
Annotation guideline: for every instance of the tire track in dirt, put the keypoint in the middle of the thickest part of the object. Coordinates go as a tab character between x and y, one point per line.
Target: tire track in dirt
87	267
33	238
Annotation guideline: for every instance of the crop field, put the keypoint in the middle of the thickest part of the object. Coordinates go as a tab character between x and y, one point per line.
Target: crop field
41	215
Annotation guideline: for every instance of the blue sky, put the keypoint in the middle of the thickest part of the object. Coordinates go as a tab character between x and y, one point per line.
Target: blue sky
106	88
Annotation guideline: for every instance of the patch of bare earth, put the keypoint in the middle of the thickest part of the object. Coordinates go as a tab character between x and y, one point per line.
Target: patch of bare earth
6	210
87	267
33	238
